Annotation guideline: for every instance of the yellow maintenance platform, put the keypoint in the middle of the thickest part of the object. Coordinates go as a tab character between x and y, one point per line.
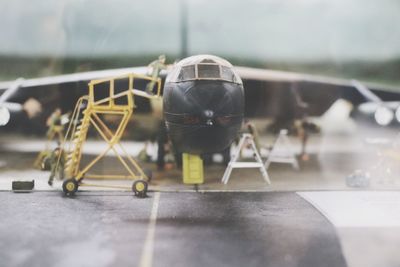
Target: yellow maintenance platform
89	113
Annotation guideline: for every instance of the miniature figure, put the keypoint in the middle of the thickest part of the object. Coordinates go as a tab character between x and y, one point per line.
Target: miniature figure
156	67
143	154
304	128
56	128
254	132
57	162
55	123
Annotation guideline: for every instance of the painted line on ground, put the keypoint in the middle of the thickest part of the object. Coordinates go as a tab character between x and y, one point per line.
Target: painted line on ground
357	209
146	259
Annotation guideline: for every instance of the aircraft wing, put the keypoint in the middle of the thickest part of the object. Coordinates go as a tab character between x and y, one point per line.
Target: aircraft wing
280	92
268	92
246	73
70	78
285	76
15	94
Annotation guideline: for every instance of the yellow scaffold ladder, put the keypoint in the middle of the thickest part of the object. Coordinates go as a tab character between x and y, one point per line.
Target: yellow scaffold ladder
88	112
79	125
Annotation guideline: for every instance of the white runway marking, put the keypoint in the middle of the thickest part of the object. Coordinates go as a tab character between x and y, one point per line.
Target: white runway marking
211	190
357	209
146	260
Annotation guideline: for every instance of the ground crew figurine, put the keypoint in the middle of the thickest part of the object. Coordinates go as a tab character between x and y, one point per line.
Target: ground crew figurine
169	156
305	128
56	128
55	123
156	67
251	128
57	162
143	154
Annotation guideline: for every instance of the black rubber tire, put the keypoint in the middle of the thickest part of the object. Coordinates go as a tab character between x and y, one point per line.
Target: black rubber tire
70	186
139	187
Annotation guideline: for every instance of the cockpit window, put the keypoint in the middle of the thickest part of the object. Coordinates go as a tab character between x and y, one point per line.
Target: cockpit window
187	73
227	74
208	71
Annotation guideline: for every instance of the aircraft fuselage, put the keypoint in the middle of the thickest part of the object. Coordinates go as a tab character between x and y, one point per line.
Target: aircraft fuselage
203	112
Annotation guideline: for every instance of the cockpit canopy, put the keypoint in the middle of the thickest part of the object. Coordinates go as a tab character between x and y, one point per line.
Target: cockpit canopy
203	67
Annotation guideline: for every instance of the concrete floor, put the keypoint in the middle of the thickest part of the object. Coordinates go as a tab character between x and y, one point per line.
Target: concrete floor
244	223
191	229
332	158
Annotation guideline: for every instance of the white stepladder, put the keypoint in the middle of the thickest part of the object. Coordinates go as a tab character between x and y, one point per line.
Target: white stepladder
245	139
282	151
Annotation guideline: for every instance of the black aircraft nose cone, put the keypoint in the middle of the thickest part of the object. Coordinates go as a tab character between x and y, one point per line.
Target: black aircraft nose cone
203	116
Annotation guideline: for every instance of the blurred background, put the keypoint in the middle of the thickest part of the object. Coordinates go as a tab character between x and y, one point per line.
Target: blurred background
348	39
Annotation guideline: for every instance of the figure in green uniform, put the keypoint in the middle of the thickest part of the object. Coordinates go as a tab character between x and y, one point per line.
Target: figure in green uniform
156	67
55	126
251	128
143	155
57	162
55	123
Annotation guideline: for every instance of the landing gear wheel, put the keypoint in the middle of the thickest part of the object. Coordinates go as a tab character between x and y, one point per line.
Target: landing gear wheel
70	186
139	187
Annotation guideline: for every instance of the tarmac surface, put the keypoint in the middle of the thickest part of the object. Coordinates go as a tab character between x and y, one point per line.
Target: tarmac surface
306	217
186	229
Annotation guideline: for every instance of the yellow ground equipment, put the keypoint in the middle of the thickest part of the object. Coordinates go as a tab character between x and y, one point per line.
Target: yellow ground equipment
89	112
192	169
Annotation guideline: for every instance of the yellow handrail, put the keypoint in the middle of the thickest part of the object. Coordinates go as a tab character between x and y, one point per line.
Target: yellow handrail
127	92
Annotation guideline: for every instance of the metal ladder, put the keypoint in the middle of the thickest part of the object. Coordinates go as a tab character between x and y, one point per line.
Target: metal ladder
234	163
282	151
120	105
77	131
